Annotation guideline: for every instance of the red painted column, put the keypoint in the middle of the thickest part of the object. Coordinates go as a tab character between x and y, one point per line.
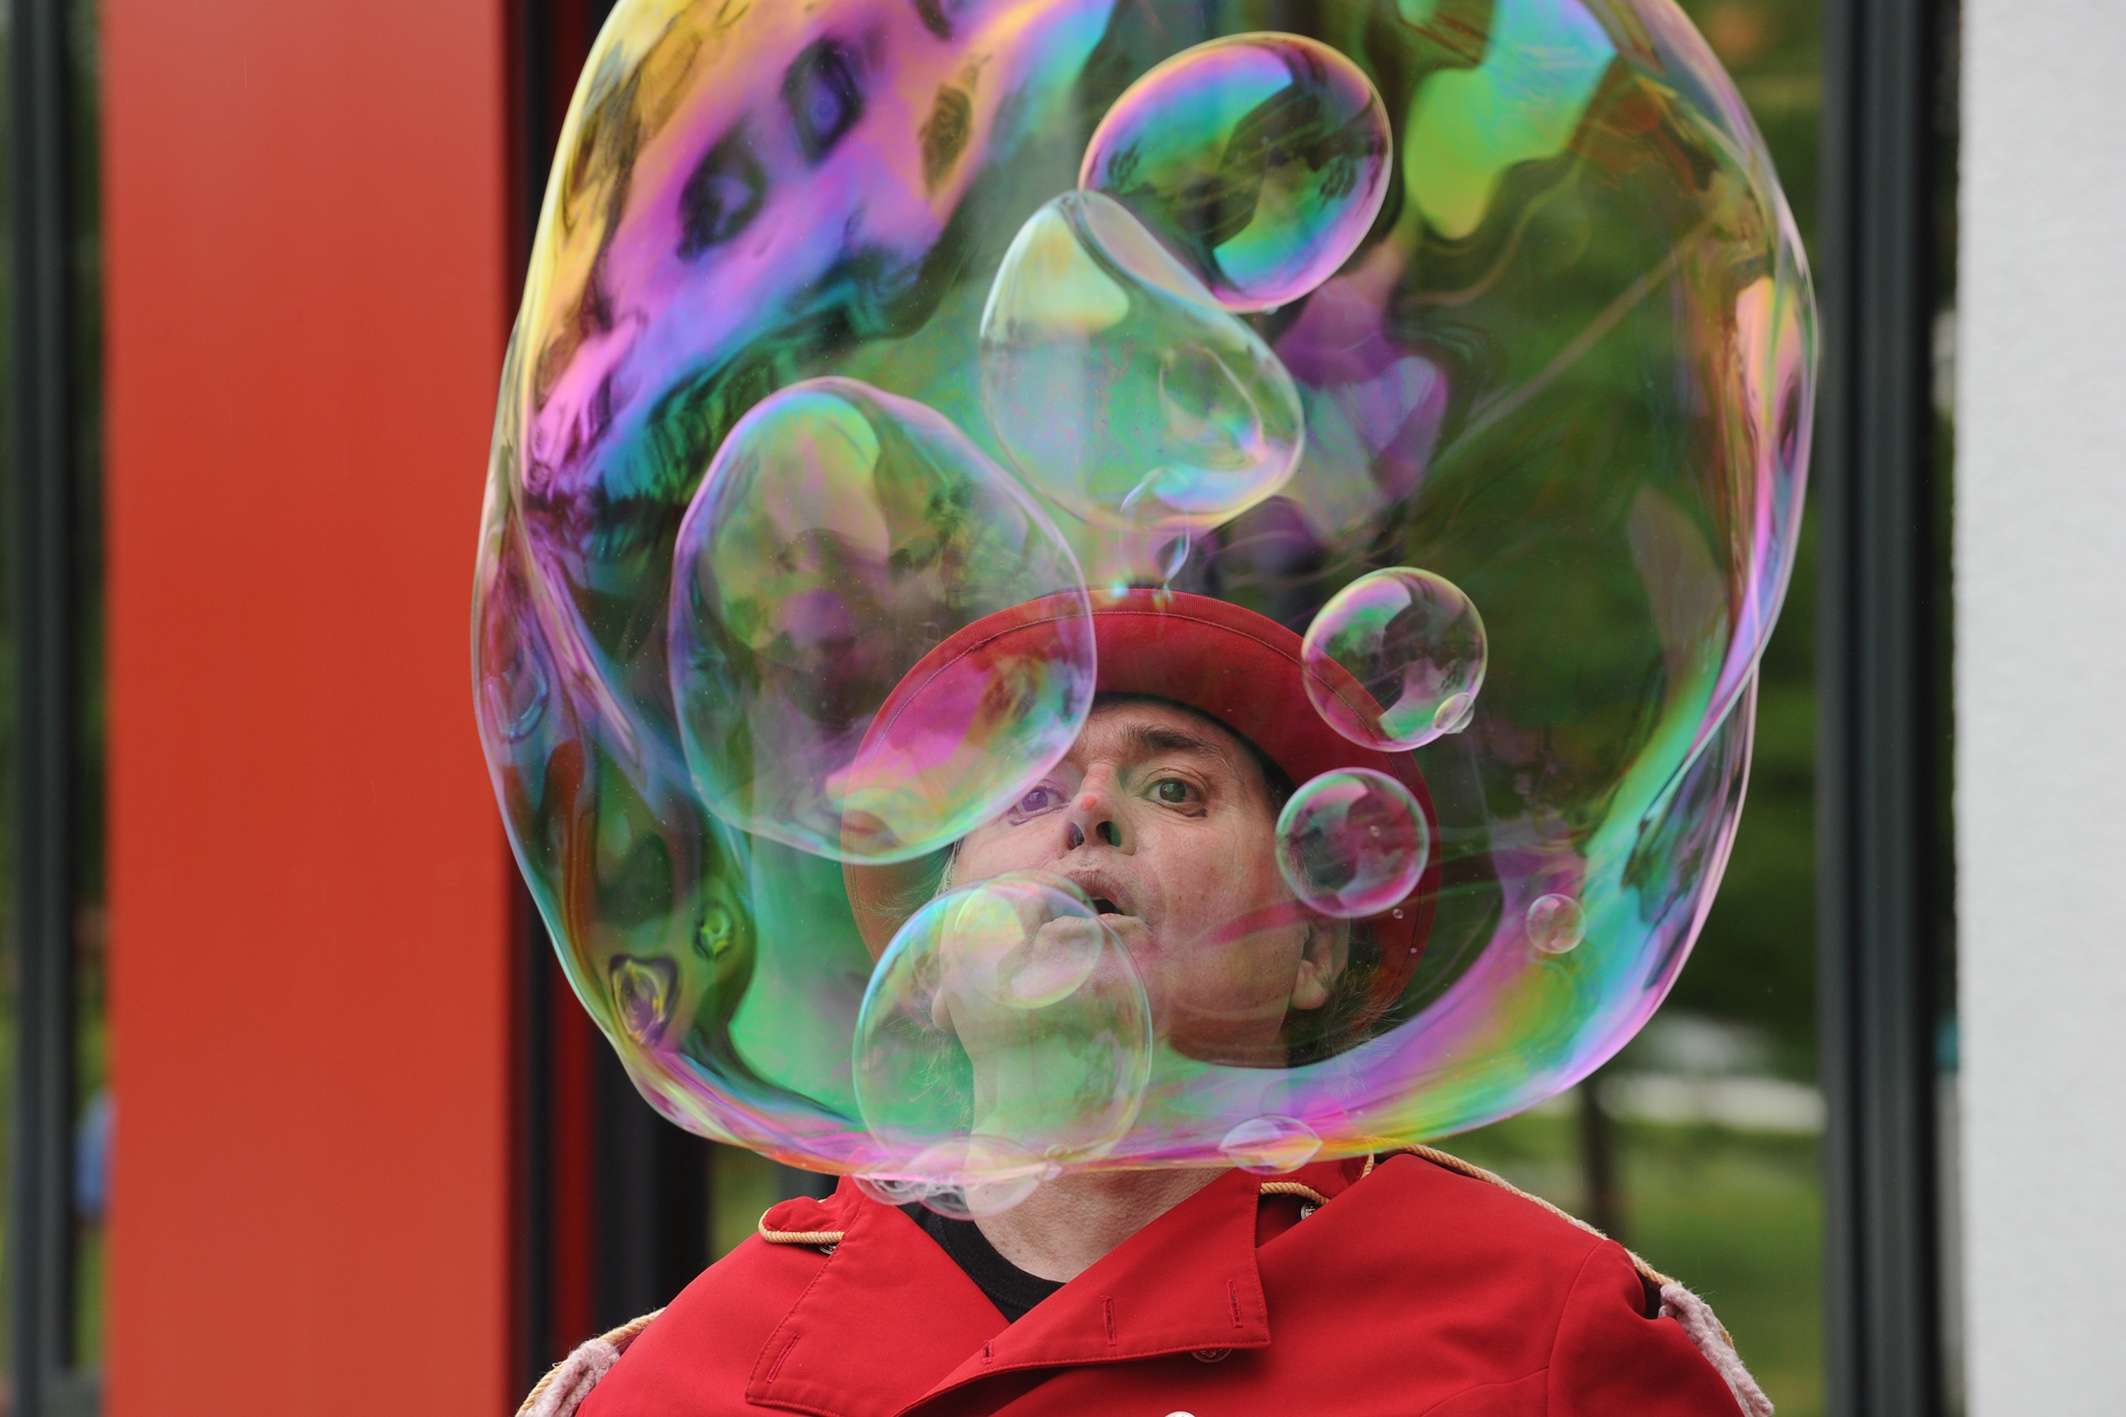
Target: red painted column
306	228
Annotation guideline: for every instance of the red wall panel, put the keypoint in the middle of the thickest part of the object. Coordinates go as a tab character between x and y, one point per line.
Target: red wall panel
306	227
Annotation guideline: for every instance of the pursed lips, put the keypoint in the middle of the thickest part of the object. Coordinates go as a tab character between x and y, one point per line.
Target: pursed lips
1108	895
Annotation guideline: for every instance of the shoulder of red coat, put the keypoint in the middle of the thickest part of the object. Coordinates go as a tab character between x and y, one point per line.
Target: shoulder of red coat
1455	1192
1449	1187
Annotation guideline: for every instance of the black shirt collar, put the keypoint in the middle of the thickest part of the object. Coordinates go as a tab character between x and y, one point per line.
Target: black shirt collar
1010	1288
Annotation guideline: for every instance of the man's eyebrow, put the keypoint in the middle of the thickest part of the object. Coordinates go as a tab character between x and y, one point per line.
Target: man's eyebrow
1146	740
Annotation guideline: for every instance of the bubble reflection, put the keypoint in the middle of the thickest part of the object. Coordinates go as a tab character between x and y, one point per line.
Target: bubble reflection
1119	386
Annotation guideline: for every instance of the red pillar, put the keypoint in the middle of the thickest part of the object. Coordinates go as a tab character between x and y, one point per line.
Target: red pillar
306	228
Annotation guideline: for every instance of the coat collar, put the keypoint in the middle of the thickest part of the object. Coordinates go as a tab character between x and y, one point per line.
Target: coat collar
891	1322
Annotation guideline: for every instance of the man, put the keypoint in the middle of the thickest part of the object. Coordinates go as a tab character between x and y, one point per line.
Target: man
1402	1283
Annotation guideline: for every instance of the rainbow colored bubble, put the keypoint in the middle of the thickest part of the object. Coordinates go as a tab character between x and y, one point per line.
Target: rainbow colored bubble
1352	843
1414	642
1120	388
841	534
1260	159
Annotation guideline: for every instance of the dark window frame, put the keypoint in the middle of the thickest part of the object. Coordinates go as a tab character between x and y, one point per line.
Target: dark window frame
47	498
1883	934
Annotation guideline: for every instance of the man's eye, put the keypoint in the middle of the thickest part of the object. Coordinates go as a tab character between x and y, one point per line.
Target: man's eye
1170	790
1041	799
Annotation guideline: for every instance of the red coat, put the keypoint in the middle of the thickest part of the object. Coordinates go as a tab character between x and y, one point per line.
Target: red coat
1413	1290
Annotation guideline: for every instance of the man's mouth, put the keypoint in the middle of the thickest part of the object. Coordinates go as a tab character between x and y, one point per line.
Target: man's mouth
1105	894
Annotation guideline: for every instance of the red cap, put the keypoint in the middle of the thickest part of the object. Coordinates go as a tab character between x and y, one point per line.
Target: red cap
1229	663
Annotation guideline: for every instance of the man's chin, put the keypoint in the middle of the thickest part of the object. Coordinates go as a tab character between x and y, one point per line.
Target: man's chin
1248	1041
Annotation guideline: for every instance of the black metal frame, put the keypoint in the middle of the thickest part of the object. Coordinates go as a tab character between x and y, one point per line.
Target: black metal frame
43	543
652	1185
1881	871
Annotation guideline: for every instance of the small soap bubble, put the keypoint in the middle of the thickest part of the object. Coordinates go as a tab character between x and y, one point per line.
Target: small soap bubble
1556	923
1270	1146
1003	1015
1413	642
1260	159
1119	386
1352	843
643	994
840	535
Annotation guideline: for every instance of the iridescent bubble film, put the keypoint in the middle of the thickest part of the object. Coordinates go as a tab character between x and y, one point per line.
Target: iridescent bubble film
840	534
1352	843
1261	159
1414	642
826	359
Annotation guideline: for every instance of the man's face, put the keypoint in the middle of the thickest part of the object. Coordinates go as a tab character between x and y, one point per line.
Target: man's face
1162	817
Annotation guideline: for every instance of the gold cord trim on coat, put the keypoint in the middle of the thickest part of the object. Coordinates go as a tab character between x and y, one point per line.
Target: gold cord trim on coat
799	1237
1293	1188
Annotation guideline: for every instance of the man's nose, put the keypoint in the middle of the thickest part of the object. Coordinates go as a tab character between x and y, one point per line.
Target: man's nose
1092	817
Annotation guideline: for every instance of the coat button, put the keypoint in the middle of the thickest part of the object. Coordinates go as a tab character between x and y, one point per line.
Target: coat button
1211	1355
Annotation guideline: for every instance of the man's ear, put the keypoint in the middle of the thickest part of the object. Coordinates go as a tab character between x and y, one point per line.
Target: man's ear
1322	957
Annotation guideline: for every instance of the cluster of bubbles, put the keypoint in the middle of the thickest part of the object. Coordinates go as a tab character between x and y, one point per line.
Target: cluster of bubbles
852	325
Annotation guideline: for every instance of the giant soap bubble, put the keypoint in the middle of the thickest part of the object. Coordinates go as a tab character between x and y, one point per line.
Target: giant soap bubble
827	357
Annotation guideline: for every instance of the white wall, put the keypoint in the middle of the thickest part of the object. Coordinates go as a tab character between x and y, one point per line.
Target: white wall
2041	703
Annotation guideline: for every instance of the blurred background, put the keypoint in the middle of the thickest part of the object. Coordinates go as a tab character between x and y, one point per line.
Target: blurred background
249	837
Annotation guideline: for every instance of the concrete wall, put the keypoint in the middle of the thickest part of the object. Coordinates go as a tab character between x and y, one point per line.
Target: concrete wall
2041	702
